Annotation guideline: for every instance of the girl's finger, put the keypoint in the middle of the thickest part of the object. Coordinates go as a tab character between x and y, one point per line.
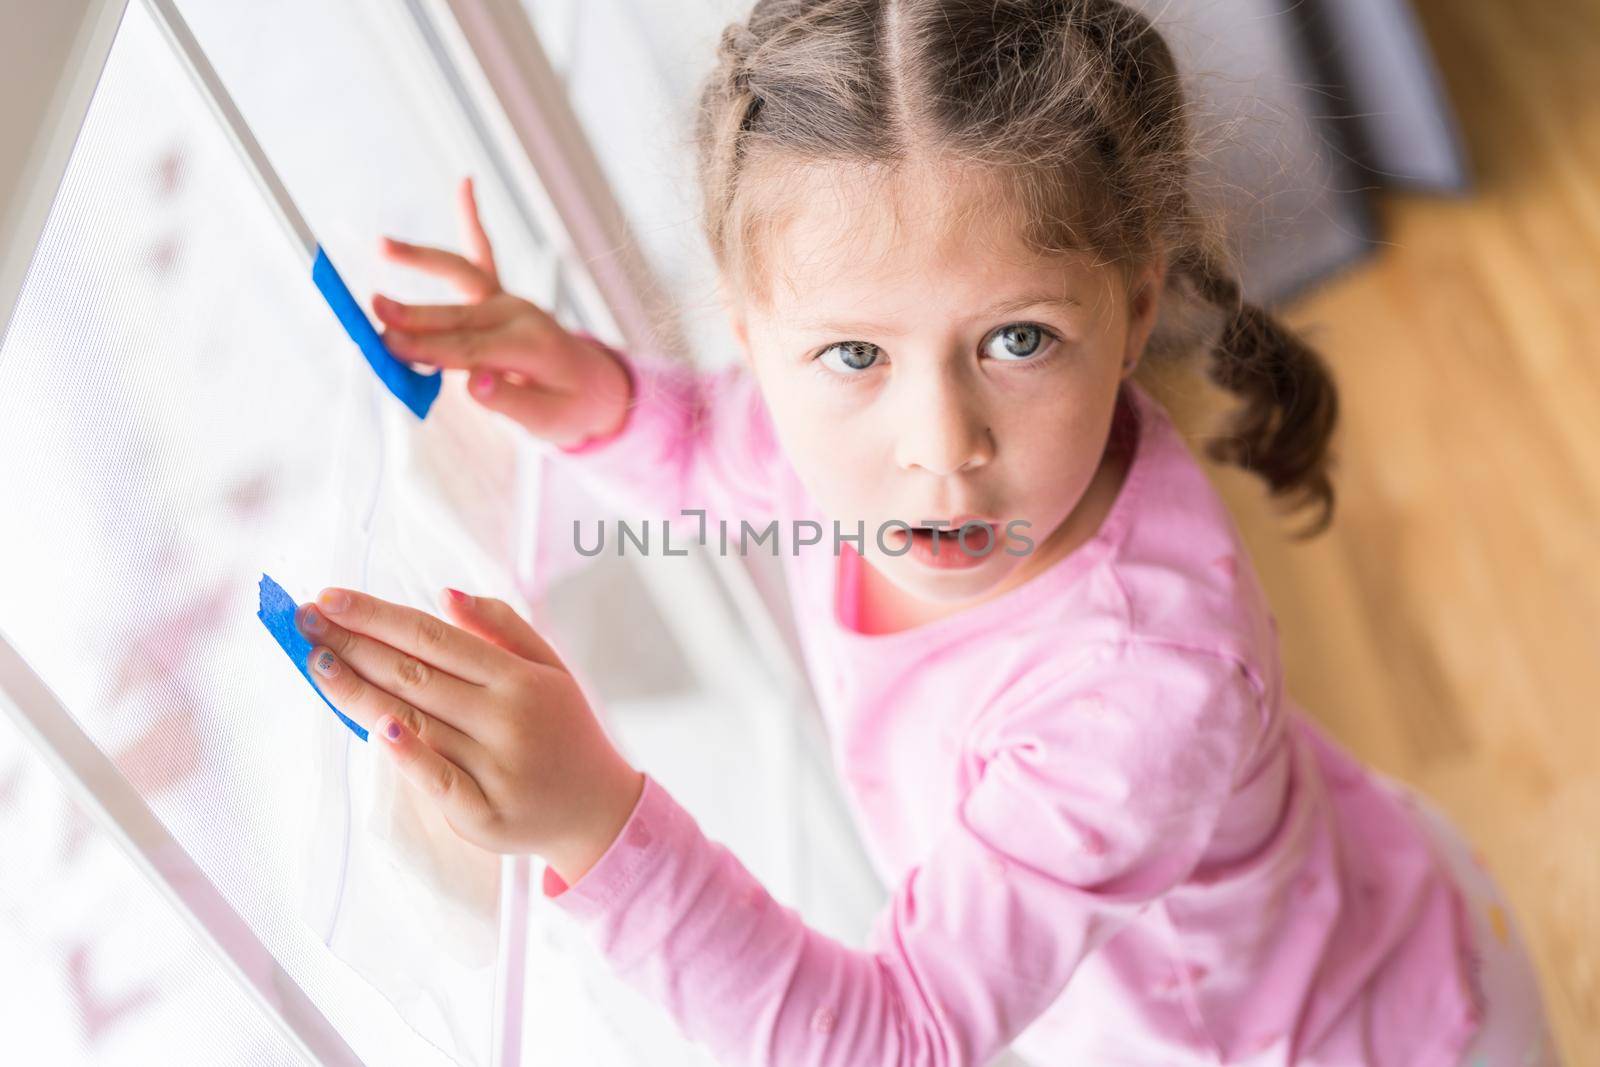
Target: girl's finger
407	678
424	766
480	251
465	275
423	636
441	348
426	318
366	704
540	411
495	620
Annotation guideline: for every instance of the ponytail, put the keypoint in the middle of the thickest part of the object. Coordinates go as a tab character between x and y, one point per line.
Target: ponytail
1283	431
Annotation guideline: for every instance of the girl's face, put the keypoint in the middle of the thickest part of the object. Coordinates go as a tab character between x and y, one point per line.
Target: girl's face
921	365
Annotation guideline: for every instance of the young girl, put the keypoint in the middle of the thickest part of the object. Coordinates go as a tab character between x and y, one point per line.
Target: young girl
948	228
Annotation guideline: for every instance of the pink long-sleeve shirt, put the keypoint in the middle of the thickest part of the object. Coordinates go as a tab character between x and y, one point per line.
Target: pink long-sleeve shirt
1113	838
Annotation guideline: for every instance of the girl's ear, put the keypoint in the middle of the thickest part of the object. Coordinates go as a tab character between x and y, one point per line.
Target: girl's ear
741	330
734	308
1144	304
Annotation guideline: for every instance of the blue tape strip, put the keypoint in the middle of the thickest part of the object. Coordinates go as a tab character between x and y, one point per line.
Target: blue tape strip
415	389
277	613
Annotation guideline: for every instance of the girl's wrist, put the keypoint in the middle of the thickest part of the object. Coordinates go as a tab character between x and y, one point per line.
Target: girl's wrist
608	380
614	397
612	807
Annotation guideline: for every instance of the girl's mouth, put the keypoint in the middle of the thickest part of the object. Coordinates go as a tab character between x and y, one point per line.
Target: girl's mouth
945	547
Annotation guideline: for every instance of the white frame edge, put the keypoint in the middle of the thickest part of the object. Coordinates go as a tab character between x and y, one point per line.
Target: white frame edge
534	103
222	106
36	145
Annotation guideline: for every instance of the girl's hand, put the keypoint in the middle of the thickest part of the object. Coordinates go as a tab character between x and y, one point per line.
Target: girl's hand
482	716
523	363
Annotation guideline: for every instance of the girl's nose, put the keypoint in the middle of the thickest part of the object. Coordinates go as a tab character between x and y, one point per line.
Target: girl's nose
942	431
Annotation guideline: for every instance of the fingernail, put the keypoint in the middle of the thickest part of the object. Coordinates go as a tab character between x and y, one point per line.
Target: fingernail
334	601
391	729
382	303
311	620
458	596
483	384
327	665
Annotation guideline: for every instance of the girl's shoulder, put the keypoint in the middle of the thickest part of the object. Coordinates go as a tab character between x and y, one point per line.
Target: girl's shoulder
1177	570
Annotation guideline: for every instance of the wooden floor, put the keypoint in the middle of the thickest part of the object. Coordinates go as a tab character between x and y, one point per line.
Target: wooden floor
1447	627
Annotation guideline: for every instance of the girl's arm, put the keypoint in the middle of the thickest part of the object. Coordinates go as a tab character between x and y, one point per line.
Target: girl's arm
1100	791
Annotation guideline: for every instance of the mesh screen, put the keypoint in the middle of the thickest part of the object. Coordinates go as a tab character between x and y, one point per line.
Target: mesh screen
98	967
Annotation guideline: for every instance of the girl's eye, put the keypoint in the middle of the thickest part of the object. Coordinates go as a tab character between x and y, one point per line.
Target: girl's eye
1016	342
854	357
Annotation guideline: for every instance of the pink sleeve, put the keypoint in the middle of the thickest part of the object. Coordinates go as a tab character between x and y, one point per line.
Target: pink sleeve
1099	792
690	439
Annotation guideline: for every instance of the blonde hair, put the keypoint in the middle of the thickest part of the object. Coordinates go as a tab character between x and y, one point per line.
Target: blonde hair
1073	108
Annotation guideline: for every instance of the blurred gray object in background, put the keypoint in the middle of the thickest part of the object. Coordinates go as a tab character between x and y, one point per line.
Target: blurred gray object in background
1302	109
1385	90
